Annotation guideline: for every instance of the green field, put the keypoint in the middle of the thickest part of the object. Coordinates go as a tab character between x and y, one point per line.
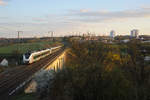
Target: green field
24	96
24	47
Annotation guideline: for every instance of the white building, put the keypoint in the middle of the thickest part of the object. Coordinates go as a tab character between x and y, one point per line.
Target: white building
4	62
112	34
135	33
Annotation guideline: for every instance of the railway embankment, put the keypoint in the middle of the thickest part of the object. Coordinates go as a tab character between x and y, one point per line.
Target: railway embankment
16	79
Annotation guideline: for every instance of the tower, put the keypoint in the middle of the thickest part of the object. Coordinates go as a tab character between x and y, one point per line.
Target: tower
134	33
112	34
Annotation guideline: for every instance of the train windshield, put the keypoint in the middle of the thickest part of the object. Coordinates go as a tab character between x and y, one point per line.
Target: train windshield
27	55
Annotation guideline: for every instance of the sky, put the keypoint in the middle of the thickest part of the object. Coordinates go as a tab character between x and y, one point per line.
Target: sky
37	18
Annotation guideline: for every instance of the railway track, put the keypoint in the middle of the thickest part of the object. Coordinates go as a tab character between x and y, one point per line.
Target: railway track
10	82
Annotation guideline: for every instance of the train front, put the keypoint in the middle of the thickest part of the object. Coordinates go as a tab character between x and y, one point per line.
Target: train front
26	58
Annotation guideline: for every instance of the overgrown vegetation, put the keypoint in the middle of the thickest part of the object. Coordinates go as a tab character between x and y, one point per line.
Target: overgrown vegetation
97	71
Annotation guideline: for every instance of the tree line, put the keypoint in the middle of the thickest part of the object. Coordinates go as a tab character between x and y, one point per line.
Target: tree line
98	71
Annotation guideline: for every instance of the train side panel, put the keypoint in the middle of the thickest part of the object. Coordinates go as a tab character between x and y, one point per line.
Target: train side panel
40	54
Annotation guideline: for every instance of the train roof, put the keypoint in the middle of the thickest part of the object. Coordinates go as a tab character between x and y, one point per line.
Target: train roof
43	50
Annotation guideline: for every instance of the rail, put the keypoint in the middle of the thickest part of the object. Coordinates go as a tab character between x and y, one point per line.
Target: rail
10	84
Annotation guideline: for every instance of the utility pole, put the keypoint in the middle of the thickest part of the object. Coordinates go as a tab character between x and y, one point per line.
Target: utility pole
18	51
19	35
19	38
52	35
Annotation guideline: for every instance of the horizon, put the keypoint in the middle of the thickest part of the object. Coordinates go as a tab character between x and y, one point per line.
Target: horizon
64	36
37	17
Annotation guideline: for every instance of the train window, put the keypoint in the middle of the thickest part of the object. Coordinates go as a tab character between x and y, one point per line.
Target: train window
27	55
37	56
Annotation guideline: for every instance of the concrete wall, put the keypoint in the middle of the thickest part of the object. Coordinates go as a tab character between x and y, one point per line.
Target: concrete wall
58	64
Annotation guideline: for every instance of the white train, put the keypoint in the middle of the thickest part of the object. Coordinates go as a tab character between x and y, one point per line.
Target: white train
29	57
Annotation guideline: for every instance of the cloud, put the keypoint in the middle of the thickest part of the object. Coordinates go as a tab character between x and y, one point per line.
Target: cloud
3	18
78	20
36	19
100	16
2	3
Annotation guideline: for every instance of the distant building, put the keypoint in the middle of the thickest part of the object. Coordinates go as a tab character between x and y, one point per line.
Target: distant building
112	34
135	33
90	36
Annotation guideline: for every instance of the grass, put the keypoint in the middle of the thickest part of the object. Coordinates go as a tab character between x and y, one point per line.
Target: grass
25	97
24	47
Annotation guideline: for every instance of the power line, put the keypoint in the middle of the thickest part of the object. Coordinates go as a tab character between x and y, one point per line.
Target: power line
19	35
52	34
6	28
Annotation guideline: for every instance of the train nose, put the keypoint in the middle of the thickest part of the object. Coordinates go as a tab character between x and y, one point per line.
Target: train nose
26	61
